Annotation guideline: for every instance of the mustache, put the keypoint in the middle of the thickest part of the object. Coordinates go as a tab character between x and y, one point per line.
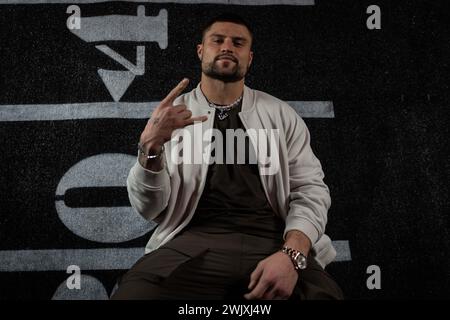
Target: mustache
231	57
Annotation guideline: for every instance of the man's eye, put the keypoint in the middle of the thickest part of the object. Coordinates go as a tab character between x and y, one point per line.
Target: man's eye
238	44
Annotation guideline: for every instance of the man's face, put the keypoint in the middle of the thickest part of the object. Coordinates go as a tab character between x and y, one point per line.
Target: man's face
225	51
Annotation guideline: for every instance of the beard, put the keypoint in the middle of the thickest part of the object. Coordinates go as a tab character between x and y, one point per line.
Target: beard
212	70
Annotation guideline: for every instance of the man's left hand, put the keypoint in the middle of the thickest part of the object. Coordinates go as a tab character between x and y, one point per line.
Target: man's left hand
274	278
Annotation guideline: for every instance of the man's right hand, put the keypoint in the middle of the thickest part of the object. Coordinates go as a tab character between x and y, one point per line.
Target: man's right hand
166	118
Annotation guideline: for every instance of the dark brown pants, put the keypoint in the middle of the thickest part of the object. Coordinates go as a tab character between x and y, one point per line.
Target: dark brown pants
197	265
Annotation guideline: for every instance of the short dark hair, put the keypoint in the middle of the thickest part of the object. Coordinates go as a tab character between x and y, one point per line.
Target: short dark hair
227	17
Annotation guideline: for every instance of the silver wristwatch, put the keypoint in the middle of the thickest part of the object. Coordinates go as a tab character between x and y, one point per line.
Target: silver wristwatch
298	258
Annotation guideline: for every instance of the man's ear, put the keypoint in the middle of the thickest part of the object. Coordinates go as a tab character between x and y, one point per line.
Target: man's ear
200	51
250	58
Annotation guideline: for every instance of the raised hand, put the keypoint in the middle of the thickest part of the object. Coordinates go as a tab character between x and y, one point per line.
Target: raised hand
166	118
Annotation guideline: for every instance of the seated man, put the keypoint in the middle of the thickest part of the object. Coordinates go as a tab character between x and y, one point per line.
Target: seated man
233	228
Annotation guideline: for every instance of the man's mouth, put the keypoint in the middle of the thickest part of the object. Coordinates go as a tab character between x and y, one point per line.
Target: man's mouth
227	58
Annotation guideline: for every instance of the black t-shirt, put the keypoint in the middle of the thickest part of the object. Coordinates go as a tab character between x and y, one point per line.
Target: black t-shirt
233	199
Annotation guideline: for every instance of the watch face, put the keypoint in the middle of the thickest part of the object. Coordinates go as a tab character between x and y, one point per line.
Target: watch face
301	261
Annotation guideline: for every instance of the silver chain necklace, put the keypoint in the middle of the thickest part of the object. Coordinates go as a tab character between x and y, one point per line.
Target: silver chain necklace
222	111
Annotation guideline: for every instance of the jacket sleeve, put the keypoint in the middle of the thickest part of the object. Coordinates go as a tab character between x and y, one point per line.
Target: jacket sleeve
148	191
309	197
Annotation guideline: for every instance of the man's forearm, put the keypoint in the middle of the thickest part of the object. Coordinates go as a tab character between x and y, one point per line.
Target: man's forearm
297	240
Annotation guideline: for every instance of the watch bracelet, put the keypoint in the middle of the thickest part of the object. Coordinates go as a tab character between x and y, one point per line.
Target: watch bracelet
291	253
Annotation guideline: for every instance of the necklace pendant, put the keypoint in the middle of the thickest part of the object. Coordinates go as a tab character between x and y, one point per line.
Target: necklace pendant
222	111
222	114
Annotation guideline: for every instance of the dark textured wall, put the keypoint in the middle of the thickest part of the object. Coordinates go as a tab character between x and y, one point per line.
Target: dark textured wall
384	153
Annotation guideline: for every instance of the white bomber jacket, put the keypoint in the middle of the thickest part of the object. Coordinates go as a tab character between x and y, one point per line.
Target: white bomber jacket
296	192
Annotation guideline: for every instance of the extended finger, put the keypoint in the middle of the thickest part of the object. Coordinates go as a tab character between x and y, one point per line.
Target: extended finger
258	291
272	294
186	114
179	107
192	120
254	277
170	98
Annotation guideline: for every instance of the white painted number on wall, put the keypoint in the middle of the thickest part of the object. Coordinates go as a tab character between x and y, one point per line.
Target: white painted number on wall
374	20
374	281
74	281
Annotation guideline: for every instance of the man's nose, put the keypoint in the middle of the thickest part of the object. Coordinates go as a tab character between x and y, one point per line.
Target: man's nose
227	46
